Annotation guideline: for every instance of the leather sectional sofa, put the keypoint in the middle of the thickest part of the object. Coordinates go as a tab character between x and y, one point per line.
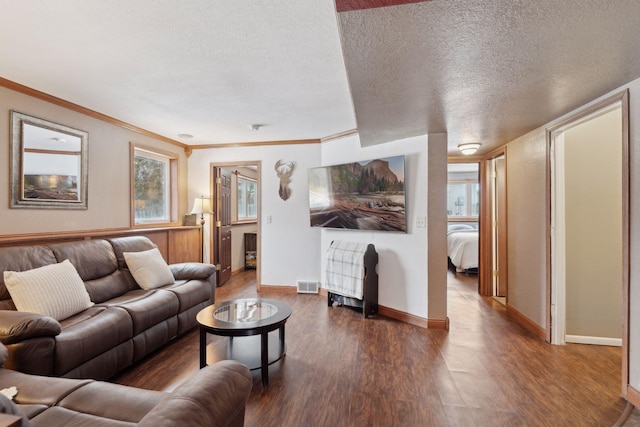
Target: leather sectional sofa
215	396
125	323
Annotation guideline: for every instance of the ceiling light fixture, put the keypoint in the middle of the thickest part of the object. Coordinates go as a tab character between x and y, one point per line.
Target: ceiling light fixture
255	127
469	148
185	136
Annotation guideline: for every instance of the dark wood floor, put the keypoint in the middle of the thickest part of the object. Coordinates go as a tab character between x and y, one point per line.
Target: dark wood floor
342	370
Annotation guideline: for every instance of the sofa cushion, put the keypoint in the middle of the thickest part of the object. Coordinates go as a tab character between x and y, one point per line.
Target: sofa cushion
148	268
130	244
54	290
112	401
89	334
21	258
146	308
92	258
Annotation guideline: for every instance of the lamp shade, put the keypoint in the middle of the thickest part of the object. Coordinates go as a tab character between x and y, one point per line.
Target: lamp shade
469	148
202	205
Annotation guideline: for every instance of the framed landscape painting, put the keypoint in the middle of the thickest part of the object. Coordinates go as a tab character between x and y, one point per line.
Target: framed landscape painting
366	195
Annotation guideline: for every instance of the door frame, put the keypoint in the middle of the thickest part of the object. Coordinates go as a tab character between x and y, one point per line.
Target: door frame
485	275
212	191
621	98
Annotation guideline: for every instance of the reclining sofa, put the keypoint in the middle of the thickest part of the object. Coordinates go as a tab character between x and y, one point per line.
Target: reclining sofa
215	396
124	323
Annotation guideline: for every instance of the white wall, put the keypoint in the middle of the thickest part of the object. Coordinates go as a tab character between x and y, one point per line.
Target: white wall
289	247
402	263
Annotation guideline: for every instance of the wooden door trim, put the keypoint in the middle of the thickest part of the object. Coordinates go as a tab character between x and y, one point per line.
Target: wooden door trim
486	253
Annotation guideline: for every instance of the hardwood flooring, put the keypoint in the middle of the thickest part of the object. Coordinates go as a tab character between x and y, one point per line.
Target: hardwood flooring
343	370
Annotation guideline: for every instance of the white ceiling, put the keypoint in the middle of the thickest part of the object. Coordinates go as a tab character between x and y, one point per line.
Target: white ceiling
201	67
485	70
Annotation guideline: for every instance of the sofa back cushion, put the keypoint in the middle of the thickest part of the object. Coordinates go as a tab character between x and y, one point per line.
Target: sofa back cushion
96	263
21	258
130	244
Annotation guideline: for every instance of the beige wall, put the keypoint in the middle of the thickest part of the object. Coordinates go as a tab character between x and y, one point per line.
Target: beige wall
108	195
437	227
593	229
527	229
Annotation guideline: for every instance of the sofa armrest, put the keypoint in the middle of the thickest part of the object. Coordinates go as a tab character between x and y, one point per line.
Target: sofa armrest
215	396
192	270
16	326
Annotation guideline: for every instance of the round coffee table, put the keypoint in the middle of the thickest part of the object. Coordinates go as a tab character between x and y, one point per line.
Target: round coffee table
242	318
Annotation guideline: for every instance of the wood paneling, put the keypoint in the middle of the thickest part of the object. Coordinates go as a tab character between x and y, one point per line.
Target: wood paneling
177	244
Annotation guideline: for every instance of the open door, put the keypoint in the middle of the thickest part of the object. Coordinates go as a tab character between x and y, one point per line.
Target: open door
222	229
500	228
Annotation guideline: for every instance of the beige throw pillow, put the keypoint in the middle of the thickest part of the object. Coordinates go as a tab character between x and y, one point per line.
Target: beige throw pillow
54	290
148	268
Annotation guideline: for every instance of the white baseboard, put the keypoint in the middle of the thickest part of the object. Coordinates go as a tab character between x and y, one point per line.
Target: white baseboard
579	339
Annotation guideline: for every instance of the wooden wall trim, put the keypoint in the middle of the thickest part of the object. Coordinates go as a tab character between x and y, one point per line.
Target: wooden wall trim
382	310
633	396
254	144
527	323
27	239
83	110
277	288
339	135
403	317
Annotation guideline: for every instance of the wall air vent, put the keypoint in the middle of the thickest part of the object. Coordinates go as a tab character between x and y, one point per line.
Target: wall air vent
307	287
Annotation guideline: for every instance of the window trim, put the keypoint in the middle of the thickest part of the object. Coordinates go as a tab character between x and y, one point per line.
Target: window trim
465	218
247	220
173	158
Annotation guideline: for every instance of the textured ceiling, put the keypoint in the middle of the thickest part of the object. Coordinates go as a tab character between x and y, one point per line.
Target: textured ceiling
202	67
486	71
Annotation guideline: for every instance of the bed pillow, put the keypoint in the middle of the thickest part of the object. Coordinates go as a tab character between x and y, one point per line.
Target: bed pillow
457	227
54	290
148	268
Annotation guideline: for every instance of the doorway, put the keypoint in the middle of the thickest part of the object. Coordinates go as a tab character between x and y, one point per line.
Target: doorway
236	204
463	213
589	223
499	228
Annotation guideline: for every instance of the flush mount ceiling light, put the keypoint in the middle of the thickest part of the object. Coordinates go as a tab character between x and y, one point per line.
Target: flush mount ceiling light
185	136
469	148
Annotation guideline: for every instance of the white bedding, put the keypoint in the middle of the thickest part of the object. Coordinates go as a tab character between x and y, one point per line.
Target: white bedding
462	248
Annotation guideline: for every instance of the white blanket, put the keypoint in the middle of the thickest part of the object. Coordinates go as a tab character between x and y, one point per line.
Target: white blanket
462	248
345	268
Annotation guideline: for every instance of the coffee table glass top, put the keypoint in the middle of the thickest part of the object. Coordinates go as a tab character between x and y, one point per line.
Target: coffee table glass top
245	311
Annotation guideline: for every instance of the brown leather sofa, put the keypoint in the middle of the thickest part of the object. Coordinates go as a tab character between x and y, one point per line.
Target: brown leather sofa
215	396
125	324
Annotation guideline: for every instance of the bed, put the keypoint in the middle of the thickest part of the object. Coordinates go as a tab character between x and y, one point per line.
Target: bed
462	247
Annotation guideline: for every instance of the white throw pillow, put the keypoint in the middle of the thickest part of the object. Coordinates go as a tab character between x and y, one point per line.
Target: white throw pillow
148	268
54	290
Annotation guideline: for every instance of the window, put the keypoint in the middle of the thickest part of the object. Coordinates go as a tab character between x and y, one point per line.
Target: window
463	199
247	205
154	187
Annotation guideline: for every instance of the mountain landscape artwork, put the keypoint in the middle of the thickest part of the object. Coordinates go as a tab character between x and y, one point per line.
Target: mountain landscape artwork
366	195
